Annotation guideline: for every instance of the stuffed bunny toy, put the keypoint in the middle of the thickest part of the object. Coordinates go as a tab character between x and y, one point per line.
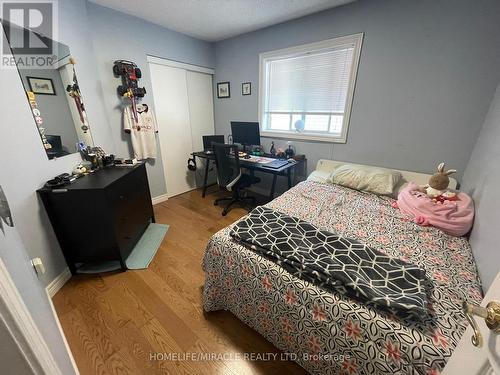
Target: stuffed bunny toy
439	182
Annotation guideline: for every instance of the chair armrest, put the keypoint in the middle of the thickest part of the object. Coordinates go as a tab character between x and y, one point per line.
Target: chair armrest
232	183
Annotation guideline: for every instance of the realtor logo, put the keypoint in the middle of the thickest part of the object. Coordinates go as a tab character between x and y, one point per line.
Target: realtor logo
30	29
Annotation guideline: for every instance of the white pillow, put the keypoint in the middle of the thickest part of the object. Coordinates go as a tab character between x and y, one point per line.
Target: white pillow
375	180
319	176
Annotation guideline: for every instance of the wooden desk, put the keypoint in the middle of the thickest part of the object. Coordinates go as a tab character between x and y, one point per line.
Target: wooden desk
286	170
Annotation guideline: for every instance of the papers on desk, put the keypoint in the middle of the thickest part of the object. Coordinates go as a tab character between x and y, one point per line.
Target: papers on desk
259	159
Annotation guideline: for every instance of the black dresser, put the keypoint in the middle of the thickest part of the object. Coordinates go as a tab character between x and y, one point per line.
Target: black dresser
101	216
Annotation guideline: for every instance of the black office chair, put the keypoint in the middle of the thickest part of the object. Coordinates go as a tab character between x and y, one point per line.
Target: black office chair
229	176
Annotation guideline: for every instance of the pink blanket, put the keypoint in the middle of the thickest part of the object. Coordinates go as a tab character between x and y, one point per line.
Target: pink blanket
452	217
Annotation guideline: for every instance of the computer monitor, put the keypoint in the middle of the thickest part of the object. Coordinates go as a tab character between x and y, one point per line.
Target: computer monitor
209	139
55	141
245	133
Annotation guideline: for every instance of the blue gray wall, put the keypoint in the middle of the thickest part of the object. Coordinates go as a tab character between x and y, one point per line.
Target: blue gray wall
427	73
23	169
25	166
119	36
16	260
481	180
24	152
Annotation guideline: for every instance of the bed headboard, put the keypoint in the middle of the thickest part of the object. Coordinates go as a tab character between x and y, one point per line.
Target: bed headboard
325	167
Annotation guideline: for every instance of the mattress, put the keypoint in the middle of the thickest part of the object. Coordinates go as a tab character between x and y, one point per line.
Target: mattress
327	332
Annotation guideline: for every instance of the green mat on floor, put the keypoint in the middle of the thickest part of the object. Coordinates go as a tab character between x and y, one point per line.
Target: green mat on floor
145	250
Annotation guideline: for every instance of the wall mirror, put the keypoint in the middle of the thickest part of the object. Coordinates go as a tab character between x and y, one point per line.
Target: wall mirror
52	92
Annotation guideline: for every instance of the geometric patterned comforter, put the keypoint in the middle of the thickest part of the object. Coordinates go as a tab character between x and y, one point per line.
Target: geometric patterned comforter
328	332
334	262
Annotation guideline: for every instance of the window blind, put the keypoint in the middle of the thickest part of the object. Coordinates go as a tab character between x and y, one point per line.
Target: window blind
315	82
306	92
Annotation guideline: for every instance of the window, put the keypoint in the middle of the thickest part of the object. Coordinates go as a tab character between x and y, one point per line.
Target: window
306	92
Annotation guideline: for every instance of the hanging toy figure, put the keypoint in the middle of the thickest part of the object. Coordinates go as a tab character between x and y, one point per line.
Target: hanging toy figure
130	89
74	91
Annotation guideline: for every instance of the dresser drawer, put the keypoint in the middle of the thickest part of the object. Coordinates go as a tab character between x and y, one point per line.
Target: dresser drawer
131	209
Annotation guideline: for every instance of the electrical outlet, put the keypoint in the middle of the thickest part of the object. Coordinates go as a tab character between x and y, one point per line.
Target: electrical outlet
38	266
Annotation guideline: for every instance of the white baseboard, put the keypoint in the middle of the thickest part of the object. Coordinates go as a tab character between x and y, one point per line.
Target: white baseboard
58	282
159	199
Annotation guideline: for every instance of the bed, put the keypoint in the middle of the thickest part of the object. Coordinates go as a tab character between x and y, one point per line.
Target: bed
327	332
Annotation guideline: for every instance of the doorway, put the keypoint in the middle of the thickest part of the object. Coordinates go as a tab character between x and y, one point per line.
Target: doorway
183	99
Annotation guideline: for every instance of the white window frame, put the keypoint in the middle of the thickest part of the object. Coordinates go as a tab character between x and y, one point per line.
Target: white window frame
356	40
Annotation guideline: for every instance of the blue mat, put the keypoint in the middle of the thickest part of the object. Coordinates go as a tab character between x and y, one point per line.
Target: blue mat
145	250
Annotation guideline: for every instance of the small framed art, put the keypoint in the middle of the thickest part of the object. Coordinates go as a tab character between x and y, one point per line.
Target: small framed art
223	90
246	88
41	86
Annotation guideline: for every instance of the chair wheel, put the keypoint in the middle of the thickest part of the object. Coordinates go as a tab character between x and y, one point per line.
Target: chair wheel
224	213
216	203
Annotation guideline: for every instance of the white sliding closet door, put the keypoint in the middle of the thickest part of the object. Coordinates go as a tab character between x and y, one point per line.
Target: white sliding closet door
201	107
172	114
201	113
184	112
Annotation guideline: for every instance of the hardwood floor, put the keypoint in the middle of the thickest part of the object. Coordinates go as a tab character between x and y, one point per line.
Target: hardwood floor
116	322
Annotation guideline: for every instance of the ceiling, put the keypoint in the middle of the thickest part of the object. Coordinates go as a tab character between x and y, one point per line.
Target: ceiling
214	20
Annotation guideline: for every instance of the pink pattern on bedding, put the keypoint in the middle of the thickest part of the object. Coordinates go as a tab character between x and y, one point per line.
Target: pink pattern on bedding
452	217
344	335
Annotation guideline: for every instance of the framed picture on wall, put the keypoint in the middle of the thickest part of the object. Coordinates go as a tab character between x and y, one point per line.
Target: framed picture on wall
223	90
246	88
41	86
